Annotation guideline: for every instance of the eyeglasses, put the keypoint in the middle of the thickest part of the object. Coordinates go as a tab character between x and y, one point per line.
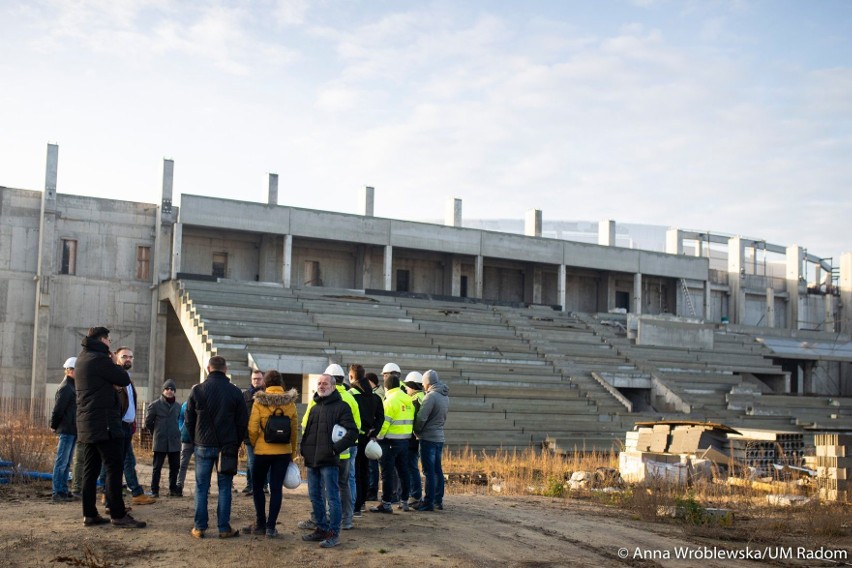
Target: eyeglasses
168	389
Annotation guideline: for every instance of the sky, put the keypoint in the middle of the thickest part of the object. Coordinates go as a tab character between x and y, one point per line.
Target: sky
728	116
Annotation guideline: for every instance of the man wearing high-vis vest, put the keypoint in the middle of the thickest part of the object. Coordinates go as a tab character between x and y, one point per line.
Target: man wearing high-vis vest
393	438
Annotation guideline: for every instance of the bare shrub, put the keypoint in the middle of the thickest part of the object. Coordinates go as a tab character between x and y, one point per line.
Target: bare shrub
28	444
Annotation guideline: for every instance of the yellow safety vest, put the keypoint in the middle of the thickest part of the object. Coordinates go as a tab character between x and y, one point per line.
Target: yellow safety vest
399	416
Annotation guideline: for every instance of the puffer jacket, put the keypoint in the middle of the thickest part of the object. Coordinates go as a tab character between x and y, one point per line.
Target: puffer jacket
216	413
98	408
63	419
265	403
162	421
317	447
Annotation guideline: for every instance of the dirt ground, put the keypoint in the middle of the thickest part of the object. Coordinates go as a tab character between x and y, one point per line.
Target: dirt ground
474	530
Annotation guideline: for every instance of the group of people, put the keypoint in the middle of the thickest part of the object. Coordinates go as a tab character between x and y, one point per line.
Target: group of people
346	417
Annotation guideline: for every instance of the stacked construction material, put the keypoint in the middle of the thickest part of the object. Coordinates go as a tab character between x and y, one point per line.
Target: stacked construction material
834	466
765	451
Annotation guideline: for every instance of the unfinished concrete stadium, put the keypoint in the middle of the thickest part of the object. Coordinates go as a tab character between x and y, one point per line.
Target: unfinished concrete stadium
537	337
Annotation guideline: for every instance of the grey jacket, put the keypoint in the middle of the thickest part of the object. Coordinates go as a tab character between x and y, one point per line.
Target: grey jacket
429	422
162	421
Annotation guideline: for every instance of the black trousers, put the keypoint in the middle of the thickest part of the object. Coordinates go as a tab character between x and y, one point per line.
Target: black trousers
174	468
110	454
362	473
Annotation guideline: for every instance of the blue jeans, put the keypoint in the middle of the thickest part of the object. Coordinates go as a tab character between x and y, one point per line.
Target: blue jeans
415	486
346	508
249	465
430	458
205	463
62	464
393	459
130	462
325	497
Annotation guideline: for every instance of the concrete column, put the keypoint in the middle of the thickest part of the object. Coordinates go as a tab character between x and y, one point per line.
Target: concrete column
287	262
273	189
708	296
637	293
168	184
45	268
532	223
453	213
736	278
177	244
560	286
268	258
845	284
674	241
830	324
770	307
387	269
368	201
455	275
479	271
795	257
606	233
536	284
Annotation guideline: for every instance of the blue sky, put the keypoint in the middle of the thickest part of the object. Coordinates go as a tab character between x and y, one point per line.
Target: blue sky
730	116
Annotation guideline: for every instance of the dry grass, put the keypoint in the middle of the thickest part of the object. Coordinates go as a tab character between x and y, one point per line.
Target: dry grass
28	444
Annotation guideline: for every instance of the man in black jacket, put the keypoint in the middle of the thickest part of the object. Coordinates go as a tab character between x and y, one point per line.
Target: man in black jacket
216	418
63	421
329	431
99	430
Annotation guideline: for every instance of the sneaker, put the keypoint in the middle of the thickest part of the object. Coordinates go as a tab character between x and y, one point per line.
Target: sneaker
425	507
128	522
253	529
414	503
404	506
62	498
197	533
271	533
230	533
142	499
347	527
316	536
357	514
307	525
383	508
247	490
331	540
92	521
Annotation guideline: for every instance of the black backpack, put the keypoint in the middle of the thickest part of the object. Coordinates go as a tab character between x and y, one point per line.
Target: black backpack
277	429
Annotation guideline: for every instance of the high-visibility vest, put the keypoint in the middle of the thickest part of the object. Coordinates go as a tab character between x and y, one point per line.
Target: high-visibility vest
399	416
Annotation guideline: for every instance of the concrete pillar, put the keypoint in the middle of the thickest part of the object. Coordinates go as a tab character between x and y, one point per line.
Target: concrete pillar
795	257
368	201
830	325
606	233
736	280
273	189
45	268
637	293
287	262
387	269
708	295
455	276
268	258
845	284
532	223
453	212
560	286
168	184
770	307
479	271
177	244
536	284
674	241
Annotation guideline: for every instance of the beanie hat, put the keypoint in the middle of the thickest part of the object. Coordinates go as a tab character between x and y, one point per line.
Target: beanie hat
169	384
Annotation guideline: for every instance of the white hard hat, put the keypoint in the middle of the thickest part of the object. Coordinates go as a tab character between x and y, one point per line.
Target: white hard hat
391	368
69	363
414	377
334	370
292	479
337	433
373	450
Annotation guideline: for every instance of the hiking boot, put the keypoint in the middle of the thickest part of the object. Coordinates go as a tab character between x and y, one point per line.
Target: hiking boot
128	522
332	540
425	507
316	536
197	533
271	533
404	506
383	508
307	525
254	529
230	533
92	521
142	500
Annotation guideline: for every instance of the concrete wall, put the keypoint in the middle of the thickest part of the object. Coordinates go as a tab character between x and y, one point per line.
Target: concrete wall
243	250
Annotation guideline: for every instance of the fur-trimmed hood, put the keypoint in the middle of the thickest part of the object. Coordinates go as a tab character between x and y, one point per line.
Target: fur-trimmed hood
275	396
